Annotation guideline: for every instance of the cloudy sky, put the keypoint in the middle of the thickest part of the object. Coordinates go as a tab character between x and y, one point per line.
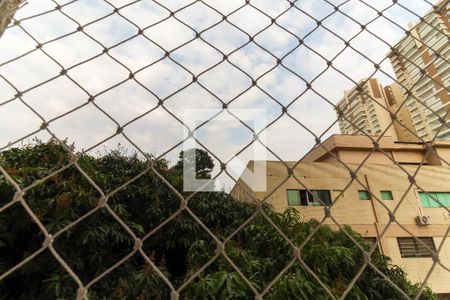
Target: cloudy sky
133	103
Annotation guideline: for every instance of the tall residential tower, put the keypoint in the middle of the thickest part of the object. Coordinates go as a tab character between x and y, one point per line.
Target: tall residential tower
420	61
368	108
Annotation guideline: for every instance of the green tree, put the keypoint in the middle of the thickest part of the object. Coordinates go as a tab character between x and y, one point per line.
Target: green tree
179	248
204	164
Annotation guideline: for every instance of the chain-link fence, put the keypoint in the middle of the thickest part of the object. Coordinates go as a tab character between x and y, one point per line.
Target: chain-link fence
104	72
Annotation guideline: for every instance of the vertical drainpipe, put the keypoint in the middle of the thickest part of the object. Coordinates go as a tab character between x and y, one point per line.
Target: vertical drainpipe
376	215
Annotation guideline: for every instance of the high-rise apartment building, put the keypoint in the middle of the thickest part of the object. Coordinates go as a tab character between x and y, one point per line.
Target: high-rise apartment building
420	61
366	109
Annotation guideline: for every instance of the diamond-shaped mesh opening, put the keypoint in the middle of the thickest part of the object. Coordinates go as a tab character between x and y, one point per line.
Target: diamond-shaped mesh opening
81	11
199	16
22	239
40	27
33	121
197	56
98	231
174	255
34	75
226	282
102	101
180	34
137	204
212	81
255	254
134	278
62	198
53	279
164	78
34	162
79	126
154	13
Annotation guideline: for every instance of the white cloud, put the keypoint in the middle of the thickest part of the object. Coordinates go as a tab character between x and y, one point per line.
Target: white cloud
199	16
137	53
13	43
276	40
144	13
225	81
111	31
225	37
30	70
249	20
164	78
170	34
82	11
55	98
157	131
73	49
99	74
253	60
197	56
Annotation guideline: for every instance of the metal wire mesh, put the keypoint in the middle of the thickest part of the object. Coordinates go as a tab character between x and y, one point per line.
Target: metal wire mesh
127	17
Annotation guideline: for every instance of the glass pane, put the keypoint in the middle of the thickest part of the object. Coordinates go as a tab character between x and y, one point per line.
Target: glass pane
304	198
364	195
293	197
444	198
433	197
424	199
325	196
386	195
312	200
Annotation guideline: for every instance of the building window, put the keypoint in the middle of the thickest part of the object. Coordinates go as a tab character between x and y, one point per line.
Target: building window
411	247
364	195
370	241
444	296
304	198
435	199
386	195
293	197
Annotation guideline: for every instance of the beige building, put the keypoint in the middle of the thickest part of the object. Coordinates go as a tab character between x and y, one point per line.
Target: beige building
363	201
364	110
369	107
420	61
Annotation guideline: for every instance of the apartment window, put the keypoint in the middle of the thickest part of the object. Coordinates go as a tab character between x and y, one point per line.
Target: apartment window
370	241
293	197
364	195
411	247
435	199
304	198
386	195
405	163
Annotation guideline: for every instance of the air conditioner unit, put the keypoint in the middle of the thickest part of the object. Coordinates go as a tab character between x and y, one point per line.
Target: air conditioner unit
423	220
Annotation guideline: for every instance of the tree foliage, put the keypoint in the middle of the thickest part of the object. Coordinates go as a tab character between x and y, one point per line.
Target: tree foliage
179	248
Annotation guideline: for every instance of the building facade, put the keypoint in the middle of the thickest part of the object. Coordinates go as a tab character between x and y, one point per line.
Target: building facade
404	127
420	62
364	110
369	109
364	201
